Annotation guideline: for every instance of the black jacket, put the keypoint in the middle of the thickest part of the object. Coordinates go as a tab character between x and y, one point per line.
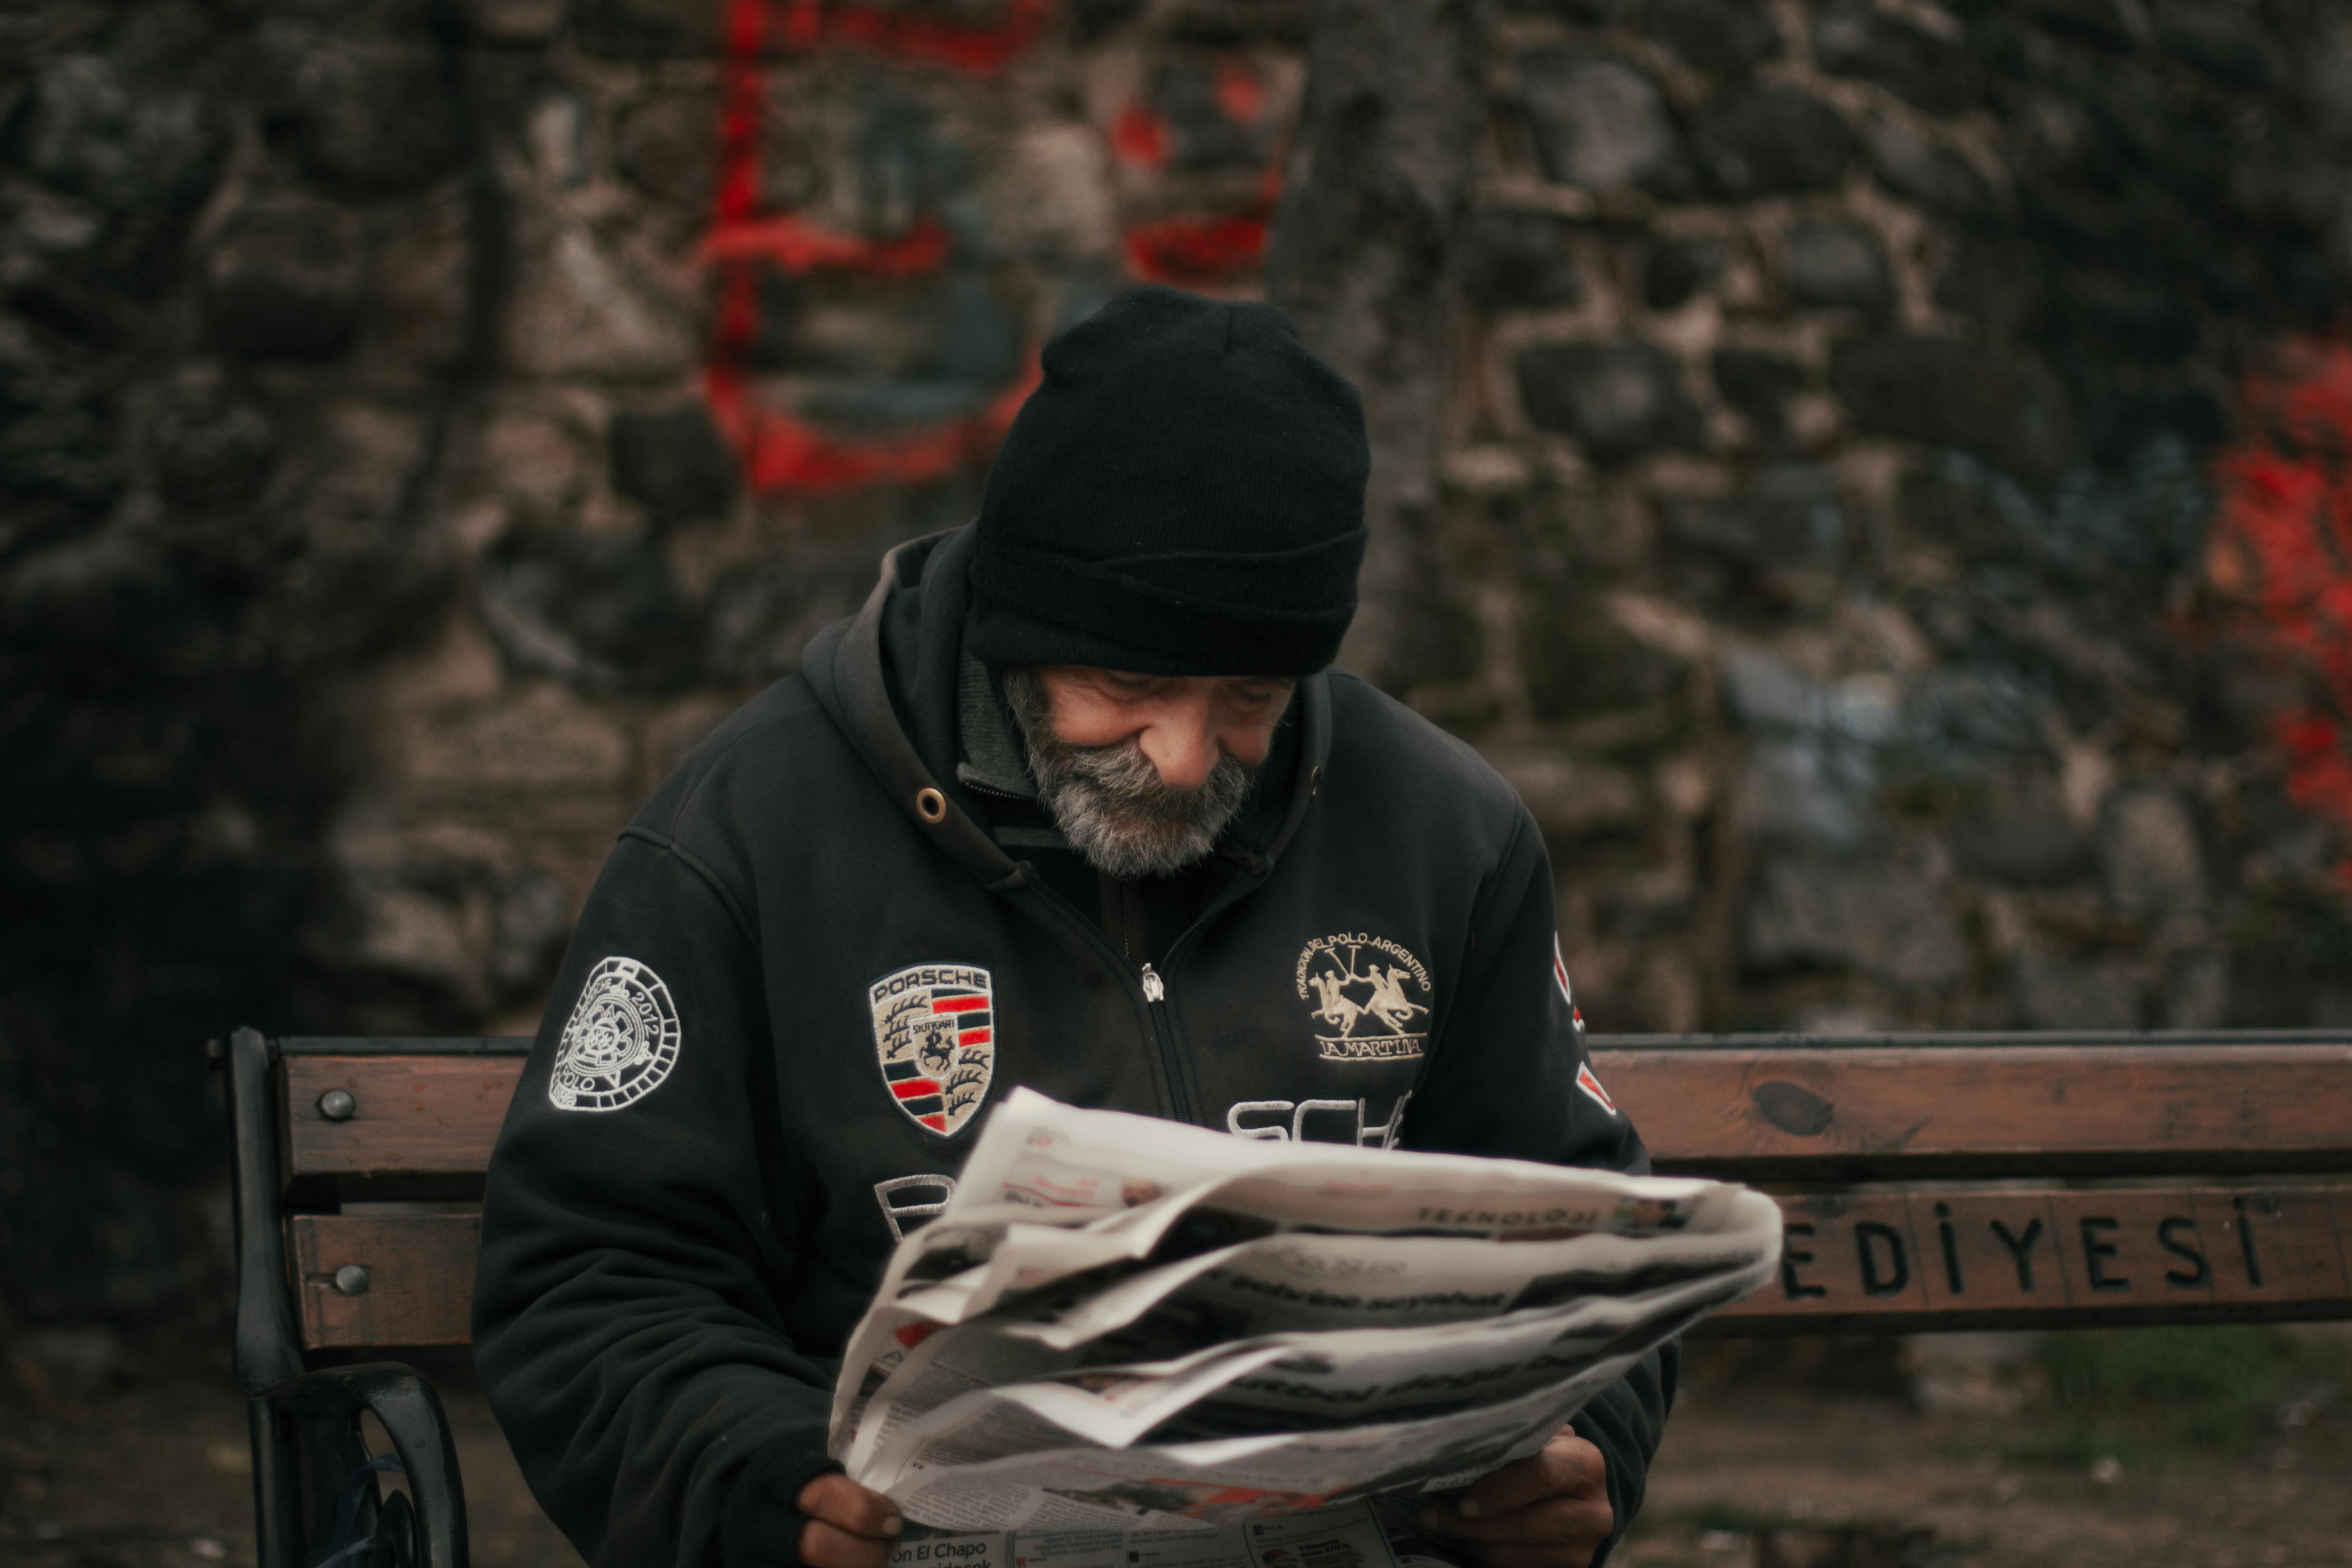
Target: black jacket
809	967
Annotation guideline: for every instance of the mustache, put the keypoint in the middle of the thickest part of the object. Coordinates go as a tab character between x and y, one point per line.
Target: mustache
1122	774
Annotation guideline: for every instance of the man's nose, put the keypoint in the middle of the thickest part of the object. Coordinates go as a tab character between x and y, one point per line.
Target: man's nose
1182	745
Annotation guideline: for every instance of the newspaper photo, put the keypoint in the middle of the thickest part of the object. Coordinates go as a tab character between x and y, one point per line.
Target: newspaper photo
1152	1343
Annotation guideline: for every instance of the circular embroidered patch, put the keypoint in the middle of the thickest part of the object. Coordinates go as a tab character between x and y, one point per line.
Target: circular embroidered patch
621	1043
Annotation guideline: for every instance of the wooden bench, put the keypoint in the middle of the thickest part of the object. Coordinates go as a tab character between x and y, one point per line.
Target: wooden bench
1928	1183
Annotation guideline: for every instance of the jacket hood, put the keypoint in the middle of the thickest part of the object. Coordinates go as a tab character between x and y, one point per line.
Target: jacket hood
888	679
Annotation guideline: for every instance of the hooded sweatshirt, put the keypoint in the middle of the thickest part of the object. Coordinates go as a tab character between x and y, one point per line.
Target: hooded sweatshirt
841	930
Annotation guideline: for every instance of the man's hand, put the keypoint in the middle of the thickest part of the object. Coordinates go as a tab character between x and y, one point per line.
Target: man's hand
848	1526
1549	1511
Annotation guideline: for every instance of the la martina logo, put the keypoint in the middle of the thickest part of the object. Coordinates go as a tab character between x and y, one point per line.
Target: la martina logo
1363	988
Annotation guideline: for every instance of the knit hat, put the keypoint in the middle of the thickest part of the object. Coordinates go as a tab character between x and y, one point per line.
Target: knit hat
1183	494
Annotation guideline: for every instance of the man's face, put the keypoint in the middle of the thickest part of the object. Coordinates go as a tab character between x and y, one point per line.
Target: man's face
1142	771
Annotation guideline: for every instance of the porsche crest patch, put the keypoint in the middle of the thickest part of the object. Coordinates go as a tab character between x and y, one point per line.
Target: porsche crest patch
935	1039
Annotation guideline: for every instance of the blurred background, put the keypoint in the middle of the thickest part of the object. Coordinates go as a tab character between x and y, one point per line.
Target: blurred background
1871	473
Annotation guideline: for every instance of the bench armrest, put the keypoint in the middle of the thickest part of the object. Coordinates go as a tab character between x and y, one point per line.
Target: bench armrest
404	1401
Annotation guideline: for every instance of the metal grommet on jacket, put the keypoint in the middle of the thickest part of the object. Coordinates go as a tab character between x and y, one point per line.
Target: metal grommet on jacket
930	805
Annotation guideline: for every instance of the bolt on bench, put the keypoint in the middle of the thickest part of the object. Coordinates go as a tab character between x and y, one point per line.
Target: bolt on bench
1928	1181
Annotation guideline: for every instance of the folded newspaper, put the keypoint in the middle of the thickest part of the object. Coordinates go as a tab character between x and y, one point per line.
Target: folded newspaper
1156	1344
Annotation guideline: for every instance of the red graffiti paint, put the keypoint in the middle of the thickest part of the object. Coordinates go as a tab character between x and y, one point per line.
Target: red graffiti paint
780	451
978	49
1140	136
1198	250
796	246
2280	552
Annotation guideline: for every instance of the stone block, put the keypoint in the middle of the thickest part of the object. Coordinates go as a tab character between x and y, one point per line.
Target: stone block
1811	791
541	462
1622	400
579	308
2049	994
1759	384
636	29
1991	400
110	589
1203	132
2126	316
1678	269
1049	194
2197	992
1758	141
1570	798
674	463
1090	19
1586	13
1911	166
1839	264
542	739
420	938
283	283
662	145
1789	516
598	612
1878	916
1765	694
1970	720
531	923
2151	857
1597	119
2102	23
517	21
129	147
2023	835
71	454
1509	258
1578	663
1722	37
359	117
1857	39
211	451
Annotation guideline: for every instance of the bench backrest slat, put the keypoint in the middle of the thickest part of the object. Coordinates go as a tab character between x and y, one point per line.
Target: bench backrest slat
1801	1113
420	1278
1770	1113
418	1114
1952	1257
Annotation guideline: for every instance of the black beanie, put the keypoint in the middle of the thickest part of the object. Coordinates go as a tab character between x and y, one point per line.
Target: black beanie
1183	494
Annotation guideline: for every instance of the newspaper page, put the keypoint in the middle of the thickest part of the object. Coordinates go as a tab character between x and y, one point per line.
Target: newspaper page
1124	1329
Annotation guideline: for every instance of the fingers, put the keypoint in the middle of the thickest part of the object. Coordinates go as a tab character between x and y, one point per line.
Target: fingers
1557	1520
849	1526
1564	1555
822	1546
1567	1466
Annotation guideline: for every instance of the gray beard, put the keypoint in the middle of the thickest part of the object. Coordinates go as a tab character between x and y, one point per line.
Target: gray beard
1109	802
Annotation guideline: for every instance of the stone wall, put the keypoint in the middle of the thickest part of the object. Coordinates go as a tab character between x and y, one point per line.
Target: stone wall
423	422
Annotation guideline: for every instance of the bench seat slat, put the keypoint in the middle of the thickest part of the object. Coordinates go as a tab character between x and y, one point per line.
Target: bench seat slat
420	1278
412	1114
1812	1113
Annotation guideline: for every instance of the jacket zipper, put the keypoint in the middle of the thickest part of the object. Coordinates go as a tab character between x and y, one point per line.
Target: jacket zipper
1155	997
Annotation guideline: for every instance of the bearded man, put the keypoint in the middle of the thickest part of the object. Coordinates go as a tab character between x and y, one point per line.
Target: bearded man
1075	803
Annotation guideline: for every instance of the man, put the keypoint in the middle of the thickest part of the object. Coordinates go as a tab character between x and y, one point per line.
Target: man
1071	803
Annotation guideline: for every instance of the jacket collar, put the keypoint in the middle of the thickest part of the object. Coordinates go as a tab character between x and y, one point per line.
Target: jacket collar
889	677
